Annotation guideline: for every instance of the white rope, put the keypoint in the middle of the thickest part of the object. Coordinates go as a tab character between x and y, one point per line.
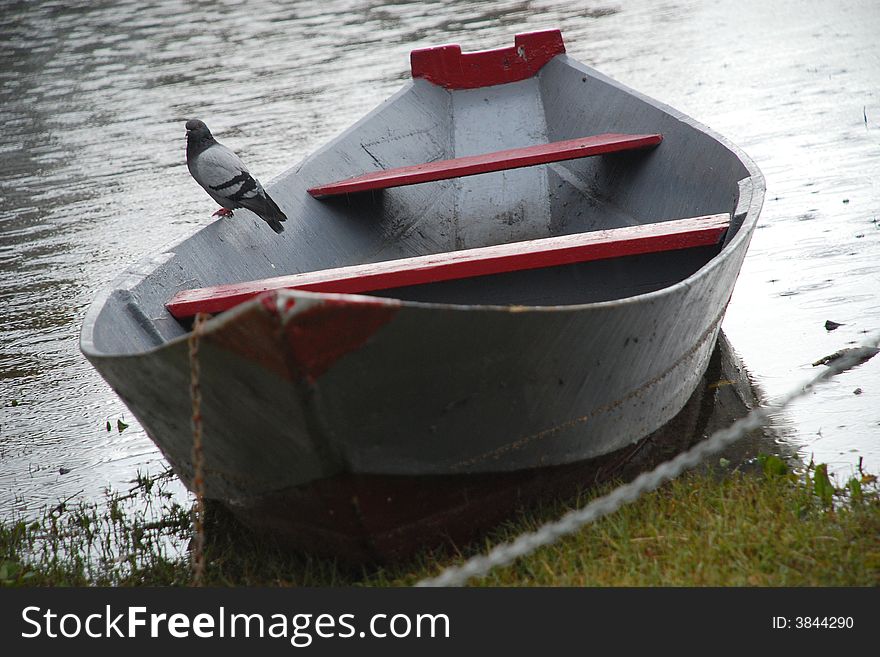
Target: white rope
572	521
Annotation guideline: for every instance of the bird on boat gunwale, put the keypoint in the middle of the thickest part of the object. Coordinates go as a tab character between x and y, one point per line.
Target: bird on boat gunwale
225	177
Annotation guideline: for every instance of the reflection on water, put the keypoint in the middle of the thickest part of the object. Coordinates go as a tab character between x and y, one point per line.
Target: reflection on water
93	98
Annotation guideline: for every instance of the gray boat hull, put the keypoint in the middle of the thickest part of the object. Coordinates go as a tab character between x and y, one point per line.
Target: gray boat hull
482	377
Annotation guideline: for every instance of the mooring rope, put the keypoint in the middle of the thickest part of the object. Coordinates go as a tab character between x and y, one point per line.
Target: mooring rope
572	521
195	393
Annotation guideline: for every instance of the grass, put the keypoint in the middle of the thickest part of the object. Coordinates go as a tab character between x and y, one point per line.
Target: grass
742	530
773	528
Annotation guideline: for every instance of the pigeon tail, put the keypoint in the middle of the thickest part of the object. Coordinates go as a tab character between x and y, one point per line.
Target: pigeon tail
275	225
266	209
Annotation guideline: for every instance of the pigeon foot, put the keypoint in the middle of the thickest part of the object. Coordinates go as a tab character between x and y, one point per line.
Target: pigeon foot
223	212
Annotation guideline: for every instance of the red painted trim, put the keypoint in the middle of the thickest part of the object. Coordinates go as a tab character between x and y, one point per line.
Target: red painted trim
324	333
467	263
448	67
471	165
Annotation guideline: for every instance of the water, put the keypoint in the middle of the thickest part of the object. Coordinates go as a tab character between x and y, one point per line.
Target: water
92	175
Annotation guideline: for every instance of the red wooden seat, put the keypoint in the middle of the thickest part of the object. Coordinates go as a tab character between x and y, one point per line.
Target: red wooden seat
514	158
467	263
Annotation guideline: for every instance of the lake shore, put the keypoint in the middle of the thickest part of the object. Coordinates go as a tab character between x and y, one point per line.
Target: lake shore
771	526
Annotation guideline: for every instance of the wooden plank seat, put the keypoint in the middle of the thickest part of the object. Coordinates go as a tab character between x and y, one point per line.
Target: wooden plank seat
467	263
514	158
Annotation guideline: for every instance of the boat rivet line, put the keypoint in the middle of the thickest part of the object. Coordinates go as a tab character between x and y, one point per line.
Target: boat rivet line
195	391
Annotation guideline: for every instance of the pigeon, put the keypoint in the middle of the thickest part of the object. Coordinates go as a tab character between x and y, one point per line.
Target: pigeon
225	177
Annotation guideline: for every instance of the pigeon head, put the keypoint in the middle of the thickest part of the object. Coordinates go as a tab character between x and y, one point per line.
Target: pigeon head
196	128
198	137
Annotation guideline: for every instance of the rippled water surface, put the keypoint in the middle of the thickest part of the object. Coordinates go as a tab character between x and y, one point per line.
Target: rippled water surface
92	175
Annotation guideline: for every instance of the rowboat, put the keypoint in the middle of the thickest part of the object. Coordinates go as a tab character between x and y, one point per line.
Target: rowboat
513	269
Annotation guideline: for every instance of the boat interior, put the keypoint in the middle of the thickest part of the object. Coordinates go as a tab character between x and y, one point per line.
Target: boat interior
690	173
